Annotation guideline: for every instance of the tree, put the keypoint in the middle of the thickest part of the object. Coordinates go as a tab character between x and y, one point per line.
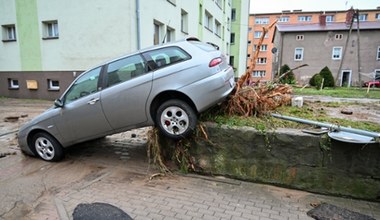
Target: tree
327	76
289	78
316	80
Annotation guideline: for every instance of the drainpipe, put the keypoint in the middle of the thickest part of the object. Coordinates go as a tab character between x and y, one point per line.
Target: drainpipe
138	24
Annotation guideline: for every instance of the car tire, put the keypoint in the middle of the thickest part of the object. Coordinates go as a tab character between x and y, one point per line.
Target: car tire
47	147
176	119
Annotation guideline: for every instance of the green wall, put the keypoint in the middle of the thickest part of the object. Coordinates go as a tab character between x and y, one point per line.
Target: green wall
28	35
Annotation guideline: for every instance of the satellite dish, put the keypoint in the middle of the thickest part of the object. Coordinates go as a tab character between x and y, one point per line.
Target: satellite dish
274	50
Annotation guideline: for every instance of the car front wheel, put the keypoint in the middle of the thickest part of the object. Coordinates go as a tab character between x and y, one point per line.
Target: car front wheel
176	119
47	147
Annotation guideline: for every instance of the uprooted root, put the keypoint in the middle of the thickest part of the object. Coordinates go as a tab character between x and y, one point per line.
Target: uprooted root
180	155
258	100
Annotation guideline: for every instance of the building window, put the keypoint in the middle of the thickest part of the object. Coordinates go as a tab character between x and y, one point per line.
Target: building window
208	20
298	54
283	19
249	29
299	37
233	14
218	28
172	2
249	42
377	16
258	34
50	29
378	53
232	60
249	55
53	84
184	21
262	21
9	32
259	73
157	32
338	36
304	18
264	47
13	84
261	60
232	40
330	18
363	17
169	34
337	53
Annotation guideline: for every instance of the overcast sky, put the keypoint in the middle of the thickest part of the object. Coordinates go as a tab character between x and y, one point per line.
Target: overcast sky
265	6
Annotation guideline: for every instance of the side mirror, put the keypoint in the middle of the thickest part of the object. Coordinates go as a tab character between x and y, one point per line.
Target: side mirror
58	103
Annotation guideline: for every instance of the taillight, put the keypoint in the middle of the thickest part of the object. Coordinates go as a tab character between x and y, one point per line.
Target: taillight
215	61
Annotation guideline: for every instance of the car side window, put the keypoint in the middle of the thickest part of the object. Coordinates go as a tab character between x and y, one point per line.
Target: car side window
83	86
125	69
165	56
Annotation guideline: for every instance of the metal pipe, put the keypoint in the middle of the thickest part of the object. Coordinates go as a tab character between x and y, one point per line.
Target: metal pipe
138	24
331	127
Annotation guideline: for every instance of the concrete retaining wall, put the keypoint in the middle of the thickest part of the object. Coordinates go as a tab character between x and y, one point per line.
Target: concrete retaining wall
289	158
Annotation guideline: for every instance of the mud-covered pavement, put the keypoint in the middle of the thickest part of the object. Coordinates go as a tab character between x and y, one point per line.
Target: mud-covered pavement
115	170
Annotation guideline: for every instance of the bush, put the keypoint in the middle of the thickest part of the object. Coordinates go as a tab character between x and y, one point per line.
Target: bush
288	78
316	80
327	75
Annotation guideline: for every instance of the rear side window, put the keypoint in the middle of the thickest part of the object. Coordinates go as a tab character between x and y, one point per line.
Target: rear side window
125	69
165	56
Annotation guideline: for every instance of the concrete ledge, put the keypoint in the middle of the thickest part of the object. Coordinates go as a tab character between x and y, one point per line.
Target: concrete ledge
290	158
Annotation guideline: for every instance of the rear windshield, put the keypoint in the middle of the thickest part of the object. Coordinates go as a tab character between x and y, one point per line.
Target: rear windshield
203	46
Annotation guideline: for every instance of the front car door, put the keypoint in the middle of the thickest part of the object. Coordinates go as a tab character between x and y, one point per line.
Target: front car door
81	117
128	87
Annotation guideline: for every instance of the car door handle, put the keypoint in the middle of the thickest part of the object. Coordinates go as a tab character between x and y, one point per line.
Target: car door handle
93	101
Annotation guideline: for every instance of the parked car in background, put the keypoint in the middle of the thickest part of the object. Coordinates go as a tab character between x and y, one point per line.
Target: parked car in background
372	84
166	86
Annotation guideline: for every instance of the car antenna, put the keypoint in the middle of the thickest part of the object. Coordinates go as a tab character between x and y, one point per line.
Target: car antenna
163	40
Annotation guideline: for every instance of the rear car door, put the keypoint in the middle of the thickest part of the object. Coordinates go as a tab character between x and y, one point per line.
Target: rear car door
128	87
81	116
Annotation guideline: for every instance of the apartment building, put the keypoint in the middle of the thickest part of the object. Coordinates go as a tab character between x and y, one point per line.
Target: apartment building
46	44
263	69
351	58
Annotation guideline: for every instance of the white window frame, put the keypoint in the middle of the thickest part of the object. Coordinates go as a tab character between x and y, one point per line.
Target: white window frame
338	36
51	29
261	60
257	34
300	37
296	54
170	34
304	18
218	28
377	71
157	32
264	47
377	16
184	21
363	17
329	18
378	53
9	32
13	84
283	19
333	54
262	20
208	21
258	73
51	85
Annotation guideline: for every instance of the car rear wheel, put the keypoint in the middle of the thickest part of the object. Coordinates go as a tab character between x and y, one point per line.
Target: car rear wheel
47	147
176	119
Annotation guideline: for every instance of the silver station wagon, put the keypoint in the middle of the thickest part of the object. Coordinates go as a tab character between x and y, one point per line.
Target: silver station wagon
166	86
